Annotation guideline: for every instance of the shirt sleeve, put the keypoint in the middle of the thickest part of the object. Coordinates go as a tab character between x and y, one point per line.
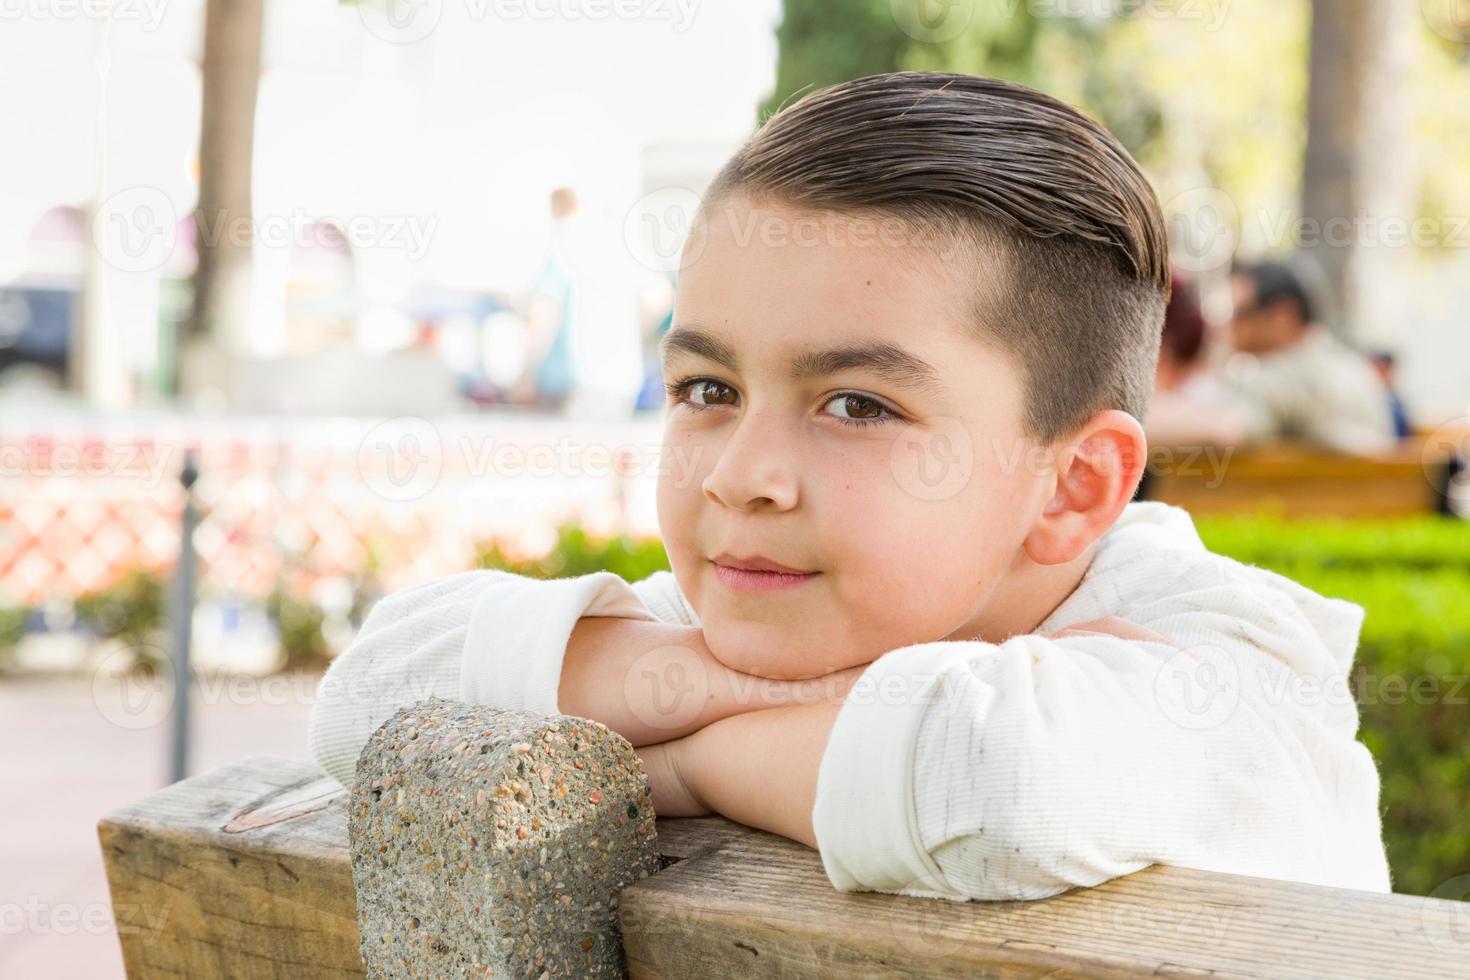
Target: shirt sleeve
1022	769
486	637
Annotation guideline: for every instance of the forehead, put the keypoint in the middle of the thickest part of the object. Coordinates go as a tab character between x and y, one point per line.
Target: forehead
895	364
766	277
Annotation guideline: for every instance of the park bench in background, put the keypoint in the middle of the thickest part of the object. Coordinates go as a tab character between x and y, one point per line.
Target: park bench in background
1299	482
248	871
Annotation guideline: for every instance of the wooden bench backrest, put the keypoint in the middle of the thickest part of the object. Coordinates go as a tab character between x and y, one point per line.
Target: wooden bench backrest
244	872
1296	482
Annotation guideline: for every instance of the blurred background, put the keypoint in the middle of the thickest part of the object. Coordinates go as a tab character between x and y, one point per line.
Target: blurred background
350	295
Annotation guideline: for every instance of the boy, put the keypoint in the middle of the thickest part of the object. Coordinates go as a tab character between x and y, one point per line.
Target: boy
912	619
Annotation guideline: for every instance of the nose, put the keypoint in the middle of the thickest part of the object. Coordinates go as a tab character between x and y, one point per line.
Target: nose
753	469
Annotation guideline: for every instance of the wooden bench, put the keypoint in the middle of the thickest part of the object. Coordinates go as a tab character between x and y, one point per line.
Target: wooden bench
1297	482
244	872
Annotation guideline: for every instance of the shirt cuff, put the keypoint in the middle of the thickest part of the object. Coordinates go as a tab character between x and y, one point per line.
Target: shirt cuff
864	817
518	635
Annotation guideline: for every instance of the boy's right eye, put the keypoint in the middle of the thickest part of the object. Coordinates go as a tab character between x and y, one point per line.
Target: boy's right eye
701	388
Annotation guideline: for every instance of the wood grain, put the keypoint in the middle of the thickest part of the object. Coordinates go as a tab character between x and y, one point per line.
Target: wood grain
243	872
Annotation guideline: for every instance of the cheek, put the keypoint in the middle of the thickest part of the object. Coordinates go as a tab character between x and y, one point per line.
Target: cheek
911	571
935	560
677	496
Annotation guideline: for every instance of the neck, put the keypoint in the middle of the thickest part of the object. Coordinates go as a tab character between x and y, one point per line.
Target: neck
1029	594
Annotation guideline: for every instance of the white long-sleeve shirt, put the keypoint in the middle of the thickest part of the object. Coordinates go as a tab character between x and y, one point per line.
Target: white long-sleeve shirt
973	770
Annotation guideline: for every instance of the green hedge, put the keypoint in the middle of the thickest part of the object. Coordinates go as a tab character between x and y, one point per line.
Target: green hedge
1427	542
12	628
578	553
132	609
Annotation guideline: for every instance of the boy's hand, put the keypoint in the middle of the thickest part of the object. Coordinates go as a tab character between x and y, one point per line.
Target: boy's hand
653	682
672	795
758	768
1113	626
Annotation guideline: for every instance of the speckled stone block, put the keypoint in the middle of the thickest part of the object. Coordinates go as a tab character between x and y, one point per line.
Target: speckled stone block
490	843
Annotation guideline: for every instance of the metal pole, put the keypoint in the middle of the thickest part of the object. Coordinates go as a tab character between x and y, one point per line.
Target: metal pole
183	619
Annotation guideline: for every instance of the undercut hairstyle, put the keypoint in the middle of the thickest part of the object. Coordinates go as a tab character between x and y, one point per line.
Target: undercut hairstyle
1063	232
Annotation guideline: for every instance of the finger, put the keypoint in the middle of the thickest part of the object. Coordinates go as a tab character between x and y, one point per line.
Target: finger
1115	626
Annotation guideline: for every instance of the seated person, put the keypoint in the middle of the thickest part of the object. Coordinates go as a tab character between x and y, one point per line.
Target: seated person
1289	378
911	618
1184	370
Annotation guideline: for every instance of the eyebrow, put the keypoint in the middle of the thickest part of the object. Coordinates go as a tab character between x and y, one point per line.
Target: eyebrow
888	361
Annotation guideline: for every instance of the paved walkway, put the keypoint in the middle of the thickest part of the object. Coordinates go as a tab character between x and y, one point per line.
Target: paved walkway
68	755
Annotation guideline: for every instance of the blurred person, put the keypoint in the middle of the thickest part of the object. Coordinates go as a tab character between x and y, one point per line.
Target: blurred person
1296	380
651	395
1288	379
1386	364
551	375
1183	368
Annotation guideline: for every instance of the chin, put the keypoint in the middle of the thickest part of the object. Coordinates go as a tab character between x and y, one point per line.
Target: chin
745	648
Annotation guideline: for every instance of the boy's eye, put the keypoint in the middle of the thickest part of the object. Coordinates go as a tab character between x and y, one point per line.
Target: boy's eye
858	409
848	407
717	392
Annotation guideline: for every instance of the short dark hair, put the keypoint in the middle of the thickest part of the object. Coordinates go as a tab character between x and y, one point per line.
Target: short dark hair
1015	175
1271	281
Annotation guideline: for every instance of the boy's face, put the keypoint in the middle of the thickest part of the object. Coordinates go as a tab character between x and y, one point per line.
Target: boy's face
907	498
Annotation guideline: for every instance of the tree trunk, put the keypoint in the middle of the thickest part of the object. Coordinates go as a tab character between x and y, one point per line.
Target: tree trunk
231	70
1354	112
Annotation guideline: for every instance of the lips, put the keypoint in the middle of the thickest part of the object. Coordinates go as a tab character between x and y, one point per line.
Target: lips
774	578
757	563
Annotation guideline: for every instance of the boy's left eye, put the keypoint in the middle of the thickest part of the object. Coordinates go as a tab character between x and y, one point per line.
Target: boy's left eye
860	409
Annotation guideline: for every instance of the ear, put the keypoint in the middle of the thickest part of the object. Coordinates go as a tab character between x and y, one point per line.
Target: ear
1098	469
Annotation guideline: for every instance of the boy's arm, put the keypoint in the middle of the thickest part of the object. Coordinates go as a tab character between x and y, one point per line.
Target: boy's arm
761	768
758	768
969	770
411	646
485	637
652	682
497	638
